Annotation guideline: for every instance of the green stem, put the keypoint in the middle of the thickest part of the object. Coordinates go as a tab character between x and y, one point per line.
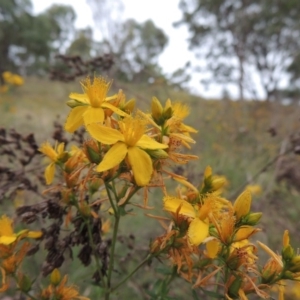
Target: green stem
172	276
112	253
28	295
108	187
25	293
149	256
94	251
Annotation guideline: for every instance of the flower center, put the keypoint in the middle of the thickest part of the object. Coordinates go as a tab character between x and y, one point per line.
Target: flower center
132	129
96	90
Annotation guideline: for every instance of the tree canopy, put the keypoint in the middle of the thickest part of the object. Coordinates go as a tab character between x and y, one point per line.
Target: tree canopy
239	38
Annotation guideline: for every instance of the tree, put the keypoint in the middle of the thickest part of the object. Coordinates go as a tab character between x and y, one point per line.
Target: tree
27	41
135	46
239	38
82	44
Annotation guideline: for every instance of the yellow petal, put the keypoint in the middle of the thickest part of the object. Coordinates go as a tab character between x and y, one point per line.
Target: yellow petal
93	115
141	164
271	253
7	240
79	97
48	150
49	173
105	135
242	204
75	119
212	248
146	142
198	231
245	232
114	109
6	226
113	157
172	203
60	148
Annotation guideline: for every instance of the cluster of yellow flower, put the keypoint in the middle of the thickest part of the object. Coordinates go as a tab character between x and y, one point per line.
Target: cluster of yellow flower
10	80
12	253
207	236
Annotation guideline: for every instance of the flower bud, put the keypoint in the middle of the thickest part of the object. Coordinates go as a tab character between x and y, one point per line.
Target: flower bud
24	283
55	277
286	238
91	151
63	157
217	183
84	209
288	253
295	264
158	153
253	218
94	185
74	103
129	106
168	111
242	204
156	111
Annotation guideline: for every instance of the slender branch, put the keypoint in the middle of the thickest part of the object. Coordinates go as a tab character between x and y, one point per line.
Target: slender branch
108	187
149	256
263	169
99	269
28	295
112	254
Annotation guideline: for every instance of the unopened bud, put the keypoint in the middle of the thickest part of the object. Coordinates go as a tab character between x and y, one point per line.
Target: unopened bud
295	264
74	103
63	157
55	277
288	253
24	283
167	114
168	111
129	106
218	183
253	218
242	204
94	185
91	151
156	111
84	209
158	153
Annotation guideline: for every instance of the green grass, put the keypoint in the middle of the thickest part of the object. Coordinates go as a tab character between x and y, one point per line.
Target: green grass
232	138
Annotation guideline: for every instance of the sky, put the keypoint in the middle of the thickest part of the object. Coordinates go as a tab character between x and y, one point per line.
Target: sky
163	13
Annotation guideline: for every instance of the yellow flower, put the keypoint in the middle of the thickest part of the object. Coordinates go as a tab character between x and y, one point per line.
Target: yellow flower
17	80
55	154
89	107
7	235
59	289
129	142
212	183
198	228
8	77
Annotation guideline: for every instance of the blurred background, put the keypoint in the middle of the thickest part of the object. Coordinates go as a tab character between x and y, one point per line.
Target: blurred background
236	63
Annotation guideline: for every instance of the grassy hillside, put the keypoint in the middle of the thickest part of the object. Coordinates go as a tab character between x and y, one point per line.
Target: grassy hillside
240	140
